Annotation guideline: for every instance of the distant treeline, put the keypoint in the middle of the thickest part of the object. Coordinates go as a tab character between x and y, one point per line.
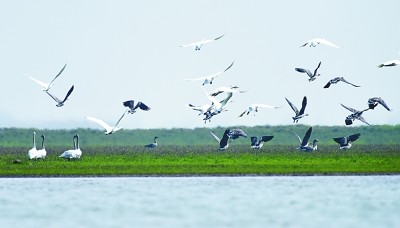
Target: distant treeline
16	137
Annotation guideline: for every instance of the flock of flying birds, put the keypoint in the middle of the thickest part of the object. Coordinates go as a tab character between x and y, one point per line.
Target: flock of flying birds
219	106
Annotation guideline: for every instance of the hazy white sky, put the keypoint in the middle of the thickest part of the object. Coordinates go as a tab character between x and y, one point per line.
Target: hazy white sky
121	50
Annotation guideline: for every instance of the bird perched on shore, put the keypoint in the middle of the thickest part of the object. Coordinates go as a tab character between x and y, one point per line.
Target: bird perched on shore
75	153
255	107
197	45
210	78
223	143
259	144
304	145
374	101
299	114
60	103
33	152
152	145
355	115
47	86
336	80
132	107
316	41
308	72
345	142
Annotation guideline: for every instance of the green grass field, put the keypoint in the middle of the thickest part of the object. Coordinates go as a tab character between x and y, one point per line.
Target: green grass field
205	160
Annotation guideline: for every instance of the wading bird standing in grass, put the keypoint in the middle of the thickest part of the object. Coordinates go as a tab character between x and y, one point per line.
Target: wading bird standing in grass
33	152
132	107
223	143
304	145
299	114
60	103
197	45
109	129
255	107
345	142
316	41
42	152
47	86
75	153
152	145
355	115
308	72
258	144
336	80
373	102
209	79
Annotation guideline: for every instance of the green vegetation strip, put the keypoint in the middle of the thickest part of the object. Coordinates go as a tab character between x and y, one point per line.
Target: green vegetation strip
205	160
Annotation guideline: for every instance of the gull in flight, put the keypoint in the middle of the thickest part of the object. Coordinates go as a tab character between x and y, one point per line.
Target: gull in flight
109	129
216	107
299	114
202	109
355	115
209	79
345	142
223	143
60	103
132	107
197	45
304	145
258	144
336	80
373	102
316	41
312	76
231	89
390	63
255	107
47	86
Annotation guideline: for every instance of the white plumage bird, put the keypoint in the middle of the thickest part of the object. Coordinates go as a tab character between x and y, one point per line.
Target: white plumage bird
255	107
316	41
209	79
109	129
197	45
47	86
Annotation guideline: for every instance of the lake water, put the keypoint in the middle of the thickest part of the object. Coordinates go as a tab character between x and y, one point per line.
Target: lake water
278	201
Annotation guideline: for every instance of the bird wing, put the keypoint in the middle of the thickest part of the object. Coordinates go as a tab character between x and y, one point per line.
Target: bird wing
345	81
215	137
196	79
316	69
224	102
224	140
303	105
142	106
128	104
219	37
266	106
302	70
69	93
327	85
44	85
266	138
340	140
298	137
292	106
306	137
54	97
383	103
218	73
354	137
253	140
57	76
120	119
102	123
323	41
350	109
363	120
242	113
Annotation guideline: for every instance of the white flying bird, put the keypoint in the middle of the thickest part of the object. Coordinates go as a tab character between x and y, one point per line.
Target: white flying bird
316	41
255	107
209	79
109	129
197	45
216	107
47	86
231	89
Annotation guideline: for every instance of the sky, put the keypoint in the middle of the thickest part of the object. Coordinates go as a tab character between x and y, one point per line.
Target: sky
122	50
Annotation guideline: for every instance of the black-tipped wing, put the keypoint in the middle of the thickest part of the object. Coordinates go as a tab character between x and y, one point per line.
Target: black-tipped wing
354	137
142	106
304	142
327	85
315	71
266	138
68	94
229	66
292	106
253	140
128	104
302	70
303	105
219	37
350	109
